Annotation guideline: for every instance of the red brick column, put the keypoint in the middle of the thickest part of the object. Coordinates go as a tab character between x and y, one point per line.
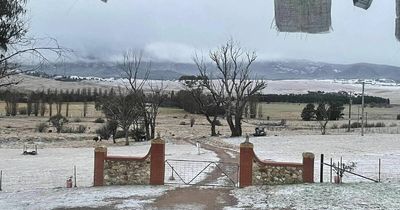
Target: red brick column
100	154
308	167
246	164
157	164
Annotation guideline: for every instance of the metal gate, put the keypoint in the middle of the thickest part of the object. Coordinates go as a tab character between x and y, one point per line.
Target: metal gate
201	173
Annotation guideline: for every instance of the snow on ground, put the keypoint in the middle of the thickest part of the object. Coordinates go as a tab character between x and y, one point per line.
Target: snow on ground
320	196
365	151
119	197
53	166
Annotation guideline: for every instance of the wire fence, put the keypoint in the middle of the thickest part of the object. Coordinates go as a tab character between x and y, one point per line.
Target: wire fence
13	180
367	169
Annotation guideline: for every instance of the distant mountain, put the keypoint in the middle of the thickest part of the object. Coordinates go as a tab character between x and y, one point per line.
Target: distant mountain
274	70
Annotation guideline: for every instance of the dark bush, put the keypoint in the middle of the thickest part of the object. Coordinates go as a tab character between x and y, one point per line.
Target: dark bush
380	125
22	111
398	117
138	134
99	120
356	125
103	132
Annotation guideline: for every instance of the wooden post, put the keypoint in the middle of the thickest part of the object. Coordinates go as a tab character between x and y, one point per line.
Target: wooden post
1	179
74	176
331	171
379	172
362	110
321	173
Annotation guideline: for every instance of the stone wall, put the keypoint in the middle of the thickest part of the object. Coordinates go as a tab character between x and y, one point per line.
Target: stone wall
126	171
254	171
265	173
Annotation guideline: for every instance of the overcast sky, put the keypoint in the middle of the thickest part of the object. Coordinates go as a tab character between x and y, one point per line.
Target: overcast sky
174	29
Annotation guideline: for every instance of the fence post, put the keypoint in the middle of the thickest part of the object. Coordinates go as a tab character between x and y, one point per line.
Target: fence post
100	154
331	170
379	172
1	179
246	163
308	167
157	161
74	176
321	173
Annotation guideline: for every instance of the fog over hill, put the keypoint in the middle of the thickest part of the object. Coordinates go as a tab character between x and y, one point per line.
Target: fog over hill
272	70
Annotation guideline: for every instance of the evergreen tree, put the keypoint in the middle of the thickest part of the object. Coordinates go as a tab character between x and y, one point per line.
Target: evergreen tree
308	112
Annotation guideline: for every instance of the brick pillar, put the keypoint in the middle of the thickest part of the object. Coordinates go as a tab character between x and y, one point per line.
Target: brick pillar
100	154
157	164
246	164
308	167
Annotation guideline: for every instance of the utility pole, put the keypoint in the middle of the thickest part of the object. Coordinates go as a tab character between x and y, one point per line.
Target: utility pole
358	114
351	102
362	110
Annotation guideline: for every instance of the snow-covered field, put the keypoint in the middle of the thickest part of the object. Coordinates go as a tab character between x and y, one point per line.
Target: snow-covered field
386	90
365	151
320	196
53	166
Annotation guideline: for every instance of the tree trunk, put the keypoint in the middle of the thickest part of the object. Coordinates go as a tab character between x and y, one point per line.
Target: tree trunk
67	110
147	127
213	133
152	131
126	130
51	110
229	120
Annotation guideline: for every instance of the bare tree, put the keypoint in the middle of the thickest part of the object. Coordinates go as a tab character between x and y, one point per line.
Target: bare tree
323	116
232	85
122	109
208	105
148	105
14	44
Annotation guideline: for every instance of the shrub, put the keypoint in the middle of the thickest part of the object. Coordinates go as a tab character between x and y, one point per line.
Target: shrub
41	127
192	121
356	125
346	125
218	123
380	124
334	126
77	120
369	125
398	117
138	134
81	129
22	111
103	132
107	130
393	125
119	134
99	120
58	122
182	123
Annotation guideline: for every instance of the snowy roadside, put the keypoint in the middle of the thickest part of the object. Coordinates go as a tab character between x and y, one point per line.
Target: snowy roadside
319	196
53	166
118	197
